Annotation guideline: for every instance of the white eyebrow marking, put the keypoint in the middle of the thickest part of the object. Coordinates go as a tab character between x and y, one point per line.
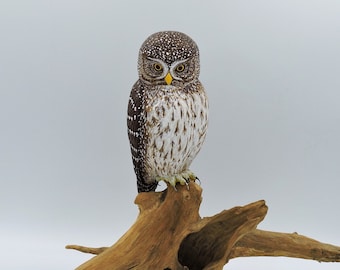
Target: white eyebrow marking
164	65
175	64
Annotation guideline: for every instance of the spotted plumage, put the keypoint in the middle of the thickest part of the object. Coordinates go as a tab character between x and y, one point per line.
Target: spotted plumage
167	111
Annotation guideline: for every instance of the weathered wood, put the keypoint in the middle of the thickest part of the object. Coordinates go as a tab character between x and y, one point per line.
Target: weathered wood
209	247
153	240
265	243
170	234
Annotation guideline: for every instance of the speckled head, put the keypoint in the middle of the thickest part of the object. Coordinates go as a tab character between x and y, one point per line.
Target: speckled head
169	46
168	58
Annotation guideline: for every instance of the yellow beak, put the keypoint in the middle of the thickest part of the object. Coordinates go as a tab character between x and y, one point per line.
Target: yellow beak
168	78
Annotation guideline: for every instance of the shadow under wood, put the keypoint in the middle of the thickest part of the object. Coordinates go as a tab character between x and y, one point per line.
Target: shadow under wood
211	246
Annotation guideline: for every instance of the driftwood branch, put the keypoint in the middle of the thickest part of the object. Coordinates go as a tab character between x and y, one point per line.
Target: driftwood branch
264	243
170	234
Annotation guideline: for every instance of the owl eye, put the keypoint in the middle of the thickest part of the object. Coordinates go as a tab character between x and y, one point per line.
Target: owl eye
180	68
157	67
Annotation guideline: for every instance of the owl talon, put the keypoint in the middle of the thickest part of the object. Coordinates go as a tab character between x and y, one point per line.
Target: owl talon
197	179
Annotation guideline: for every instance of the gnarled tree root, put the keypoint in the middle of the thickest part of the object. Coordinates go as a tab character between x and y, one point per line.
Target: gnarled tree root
170	234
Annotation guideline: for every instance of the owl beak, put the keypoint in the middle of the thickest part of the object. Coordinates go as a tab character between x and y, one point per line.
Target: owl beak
168	78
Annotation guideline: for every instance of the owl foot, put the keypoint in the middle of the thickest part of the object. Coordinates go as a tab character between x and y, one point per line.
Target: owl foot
183	178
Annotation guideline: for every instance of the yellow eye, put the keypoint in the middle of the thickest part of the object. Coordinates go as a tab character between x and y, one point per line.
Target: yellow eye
180	68
157	67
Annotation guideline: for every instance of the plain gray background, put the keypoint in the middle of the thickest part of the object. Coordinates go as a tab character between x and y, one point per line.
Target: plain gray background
272	73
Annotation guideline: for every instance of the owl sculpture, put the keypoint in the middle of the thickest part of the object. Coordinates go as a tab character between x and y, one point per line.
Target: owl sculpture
167	111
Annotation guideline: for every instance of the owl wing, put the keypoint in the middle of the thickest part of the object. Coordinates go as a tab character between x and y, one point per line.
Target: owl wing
136	117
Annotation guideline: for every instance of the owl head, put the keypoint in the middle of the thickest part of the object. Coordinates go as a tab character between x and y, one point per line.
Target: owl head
168	58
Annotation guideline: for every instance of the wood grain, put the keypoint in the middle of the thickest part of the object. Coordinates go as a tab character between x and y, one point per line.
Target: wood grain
169	234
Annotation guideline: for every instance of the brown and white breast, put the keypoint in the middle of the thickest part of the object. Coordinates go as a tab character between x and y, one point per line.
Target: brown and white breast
176	125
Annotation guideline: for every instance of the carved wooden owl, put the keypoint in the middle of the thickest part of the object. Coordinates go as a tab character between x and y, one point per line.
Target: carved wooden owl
167	111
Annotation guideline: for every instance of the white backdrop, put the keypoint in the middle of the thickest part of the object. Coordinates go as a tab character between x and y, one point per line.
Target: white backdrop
271	70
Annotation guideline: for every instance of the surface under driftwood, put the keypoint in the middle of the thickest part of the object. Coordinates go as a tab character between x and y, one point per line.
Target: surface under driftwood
170	234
